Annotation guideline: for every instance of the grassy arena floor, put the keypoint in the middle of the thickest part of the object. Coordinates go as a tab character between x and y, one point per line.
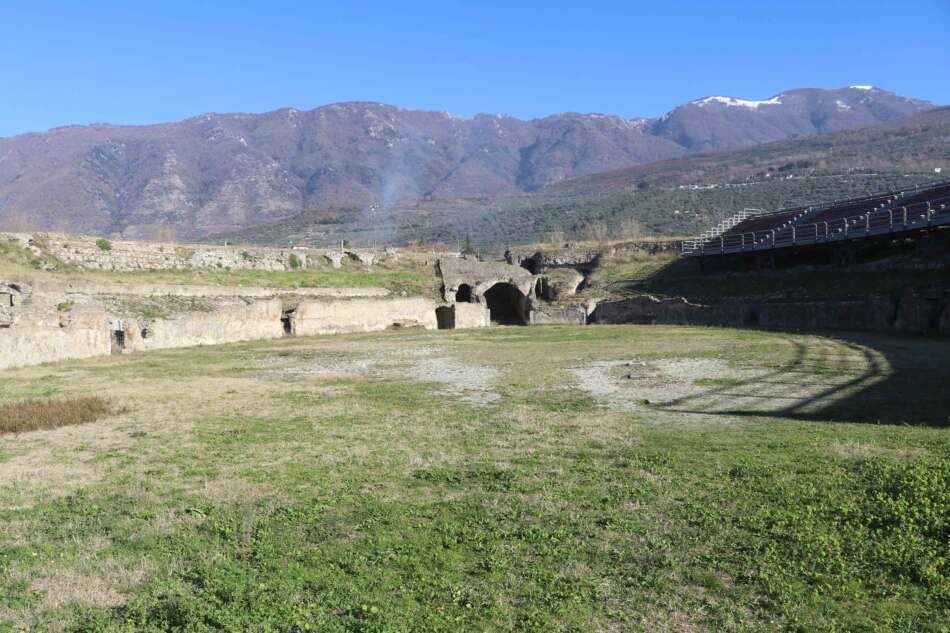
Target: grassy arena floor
608	478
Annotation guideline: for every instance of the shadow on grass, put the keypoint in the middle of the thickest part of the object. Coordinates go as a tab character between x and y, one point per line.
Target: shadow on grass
844	377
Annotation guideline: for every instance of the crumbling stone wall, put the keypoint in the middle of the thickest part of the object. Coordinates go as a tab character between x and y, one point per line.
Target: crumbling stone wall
562	282
910	313
540	261
471	315
46	336
126	255
565	315
86	287
33	345
11	295
362	315
231	323
481	276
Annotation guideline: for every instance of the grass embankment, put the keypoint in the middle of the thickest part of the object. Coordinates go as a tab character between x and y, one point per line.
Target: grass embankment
366	483
632	265
410	277
666	273
409	273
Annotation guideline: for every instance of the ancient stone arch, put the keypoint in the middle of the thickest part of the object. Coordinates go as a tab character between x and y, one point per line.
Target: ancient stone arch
507	304
463	294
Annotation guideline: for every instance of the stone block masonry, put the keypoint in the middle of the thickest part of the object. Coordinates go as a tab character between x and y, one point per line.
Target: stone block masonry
92	253
362	315
46	334
469	315
908	314
33	345
254	321
84	287
129	256
49	338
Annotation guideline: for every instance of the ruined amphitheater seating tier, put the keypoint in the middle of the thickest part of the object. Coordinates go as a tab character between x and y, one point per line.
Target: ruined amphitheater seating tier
884	213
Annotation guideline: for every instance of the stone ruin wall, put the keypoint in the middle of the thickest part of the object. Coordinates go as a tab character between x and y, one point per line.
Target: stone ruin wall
257	320
126	255
907	314
34	329
57	319
31	345
362	315
60	320
123	255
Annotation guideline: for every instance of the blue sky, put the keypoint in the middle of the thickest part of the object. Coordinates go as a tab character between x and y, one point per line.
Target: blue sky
125	62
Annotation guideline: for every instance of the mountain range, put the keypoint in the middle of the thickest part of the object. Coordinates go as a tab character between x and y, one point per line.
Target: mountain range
679	196
220	172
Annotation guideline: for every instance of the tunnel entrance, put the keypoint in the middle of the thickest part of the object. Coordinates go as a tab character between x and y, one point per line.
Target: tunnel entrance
463	294
117	341
506	304
531	265
445	317
287	321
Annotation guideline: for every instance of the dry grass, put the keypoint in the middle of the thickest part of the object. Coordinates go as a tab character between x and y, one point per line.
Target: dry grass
862	450
41	413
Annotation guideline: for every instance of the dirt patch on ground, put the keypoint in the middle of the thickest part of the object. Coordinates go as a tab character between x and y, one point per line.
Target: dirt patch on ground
331	368
422	351
466	381
470	383
712	386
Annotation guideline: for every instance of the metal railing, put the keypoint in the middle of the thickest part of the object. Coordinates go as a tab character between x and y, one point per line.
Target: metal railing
888	217
871	223
722	227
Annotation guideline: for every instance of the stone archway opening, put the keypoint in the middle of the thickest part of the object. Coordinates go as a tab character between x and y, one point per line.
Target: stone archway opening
463	294
506	304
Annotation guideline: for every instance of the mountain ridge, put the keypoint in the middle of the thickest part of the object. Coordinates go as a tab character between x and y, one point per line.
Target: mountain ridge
680	196
218	172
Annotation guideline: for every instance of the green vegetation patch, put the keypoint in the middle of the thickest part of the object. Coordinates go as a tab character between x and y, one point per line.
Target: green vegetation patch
718	382
871	532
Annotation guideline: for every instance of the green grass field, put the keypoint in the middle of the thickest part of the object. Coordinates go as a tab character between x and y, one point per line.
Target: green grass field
606	478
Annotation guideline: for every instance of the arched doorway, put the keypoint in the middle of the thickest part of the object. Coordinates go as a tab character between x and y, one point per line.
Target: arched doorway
506	304
463	294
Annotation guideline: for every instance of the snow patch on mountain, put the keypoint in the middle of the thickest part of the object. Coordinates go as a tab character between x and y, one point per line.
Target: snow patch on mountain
737	103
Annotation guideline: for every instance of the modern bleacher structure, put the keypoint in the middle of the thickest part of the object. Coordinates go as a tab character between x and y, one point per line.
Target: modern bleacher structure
893	213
